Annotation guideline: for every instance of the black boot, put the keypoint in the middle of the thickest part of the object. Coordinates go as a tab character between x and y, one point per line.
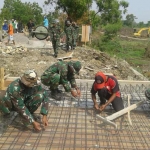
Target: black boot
55	95
55	55
59	91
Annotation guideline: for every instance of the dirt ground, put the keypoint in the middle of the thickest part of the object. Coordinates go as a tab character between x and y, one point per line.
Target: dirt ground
40	59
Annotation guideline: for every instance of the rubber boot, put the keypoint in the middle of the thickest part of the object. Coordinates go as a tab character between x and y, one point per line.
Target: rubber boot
55	95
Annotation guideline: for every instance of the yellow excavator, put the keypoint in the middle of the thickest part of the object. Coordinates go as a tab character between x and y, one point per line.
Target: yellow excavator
143	32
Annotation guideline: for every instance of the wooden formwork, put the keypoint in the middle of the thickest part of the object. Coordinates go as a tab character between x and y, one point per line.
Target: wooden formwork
5	80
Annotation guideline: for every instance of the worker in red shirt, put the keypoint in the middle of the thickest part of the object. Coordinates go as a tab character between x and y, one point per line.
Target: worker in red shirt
108	91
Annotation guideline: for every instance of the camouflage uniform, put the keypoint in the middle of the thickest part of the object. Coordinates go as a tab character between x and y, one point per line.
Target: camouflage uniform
75	34
147	93
59	73
25	100
69	36
55	34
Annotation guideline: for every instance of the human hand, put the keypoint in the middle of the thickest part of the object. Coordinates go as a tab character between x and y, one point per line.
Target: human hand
74	93
78	92
102	107
45	121
96	106
37	126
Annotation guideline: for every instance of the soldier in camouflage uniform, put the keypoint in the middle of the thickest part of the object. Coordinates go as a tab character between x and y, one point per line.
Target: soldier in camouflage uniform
69	35
147	93
24	96
62	73
75	33
55	34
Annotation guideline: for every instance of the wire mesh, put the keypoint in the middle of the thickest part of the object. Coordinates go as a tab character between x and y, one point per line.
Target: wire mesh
73	126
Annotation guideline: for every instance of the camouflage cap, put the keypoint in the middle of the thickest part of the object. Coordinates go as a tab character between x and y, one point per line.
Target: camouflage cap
147	93
76	65
30	76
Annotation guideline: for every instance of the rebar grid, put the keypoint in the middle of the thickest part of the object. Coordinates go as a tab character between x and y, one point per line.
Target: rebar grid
73	126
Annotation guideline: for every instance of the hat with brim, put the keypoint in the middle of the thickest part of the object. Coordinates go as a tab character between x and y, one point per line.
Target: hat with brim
30	76
28	81
100	79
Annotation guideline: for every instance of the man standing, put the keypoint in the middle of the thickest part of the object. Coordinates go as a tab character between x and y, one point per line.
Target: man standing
45	22
30	26
62	73
24	96
5	28
75	34
55	32
108	92
10	33
69	35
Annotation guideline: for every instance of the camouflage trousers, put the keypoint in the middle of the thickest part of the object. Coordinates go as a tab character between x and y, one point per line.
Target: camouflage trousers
32	102
55	44
69	42
52	80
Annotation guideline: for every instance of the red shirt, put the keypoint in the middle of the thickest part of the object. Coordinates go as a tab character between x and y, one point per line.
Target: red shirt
111	84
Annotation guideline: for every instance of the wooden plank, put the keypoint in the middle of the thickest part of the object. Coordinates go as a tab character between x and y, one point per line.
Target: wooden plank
68	56
124	111
1	78
108	119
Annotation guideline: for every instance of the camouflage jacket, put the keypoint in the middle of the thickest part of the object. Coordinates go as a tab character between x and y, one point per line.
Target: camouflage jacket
66	77
18	93
75	31
70	32
55	32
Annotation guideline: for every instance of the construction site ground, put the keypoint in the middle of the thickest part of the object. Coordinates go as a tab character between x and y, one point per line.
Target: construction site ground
73	124
35	54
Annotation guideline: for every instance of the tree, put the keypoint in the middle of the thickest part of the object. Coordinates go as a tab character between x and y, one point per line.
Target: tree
130	19
110	16
21	11
74	8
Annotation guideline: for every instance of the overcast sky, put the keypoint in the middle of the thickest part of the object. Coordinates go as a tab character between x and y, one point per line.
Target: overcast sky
139	8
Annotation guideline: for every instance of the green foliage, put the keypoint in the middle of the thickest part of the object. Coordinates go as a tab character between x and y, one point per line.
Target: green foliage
74	8
110	17
95	20
131	51
111	31
15	9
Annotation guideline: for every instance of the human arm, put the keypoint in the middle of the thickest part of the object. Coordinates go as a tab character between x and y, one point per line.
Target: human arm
44	108
36	126
93	95
96	106
75	92
45	121
108	102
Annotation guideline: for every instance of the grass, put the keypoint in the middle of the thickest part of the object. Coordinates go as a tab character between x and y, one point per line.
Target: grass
130	50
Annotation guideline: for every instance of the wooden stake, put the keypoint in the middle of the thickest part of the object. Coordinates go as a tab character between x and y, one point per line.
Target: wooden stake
1	78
